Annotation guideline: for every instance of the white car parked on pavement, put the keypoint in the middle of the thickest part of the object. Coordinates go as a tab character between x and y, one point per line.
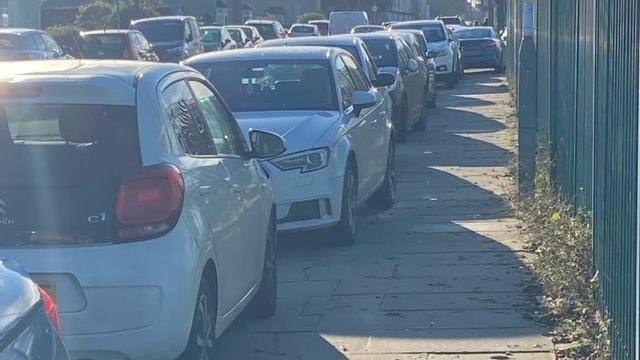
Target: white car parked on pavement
128	193
338	130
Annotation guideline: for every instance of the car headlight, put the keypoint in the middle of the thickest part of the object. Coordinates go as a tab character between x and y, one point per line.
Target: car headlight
306	161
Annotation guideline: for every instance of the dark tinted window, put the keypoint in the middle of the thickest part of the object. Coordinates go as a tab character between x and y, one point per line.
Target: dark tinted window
474	34
323	27
15	42
187	120
212	36
383	52
266	30
303	29
357	76
162	31
273	85
104	46
236	35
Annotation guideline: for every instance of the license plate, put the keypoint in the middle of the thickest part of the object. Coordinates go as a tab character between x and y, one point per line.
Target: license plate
49	288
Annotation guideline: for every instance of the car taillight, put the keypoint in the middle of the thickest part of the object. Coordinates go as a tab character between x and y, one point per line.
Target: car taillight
50	308
150	202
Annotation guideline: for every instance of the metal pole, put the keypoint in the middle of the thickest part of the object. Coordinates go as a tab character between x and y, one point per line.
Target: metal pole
527	103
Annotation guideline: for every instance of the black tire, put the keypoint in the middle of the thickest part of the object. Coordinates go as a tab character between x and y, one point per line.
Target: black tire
202	337
264	304
401	122
345	232
433	102
421	125
386	196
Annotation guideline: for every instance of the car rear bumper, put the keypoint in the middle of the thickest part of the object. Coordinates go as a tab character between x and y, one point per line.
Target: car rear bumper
125	301
482	61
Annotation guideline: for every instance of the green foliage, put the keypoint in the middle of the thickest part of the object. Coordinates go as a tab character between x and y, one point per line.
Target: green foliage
133	10
305	18
561	238
95	16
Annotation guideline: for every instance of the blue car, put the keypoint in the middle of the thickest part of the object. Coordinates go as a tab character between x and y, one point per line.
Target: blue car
29	325
481	47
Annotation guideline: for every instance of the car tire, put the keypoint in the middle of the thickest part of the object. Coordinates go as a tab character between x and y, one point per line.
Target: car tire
386	196
203	328
432	103
401	122
345	232
421	125
264	304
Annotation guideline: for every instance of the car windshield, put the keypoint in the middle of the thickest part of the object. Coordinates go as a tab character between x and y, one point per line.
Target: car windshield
383	52
161	31
473	34
433	33
104	46
266	31
211	36
15	42
323	27
273	85
302	29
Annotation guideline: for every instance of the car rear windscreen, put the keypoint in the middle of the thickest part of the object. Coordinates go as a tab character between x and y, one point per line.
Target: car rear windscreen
211	36
62	165
161	31
433	32
15	42
303	29
474	34
266	31
383	52
278	85
105	46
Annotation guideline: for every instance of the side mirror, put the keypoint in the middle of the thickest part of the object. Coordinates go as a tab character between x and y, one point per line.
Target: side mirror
266	145
363	100
67	50
383	80
412	65
432	54
227	41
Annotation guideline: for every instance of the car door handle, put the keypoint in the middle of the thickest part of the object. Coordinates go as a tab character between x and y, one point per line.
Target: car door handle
236	188
204	190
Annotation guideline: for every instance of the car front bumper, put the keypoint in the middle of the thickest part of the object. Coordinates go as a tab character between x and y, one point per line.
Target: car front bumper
120	301
307	201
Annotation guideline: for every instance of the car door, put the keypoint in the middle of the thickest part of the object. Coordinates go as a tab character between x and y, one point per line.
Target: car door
208	181
359	130
413	82
375	118
248	184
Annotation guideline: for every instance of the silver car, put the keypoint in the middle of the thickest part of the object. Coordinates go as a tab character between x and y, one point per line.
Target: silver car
29	44
339	132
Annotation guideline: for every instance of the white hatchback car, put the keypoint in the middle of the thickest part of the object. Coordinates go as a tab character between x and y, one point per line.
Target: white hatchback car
337	125
128	193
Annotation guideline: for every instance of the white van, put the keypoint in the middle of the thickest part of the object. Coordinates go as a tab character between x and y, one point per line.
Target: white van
341	22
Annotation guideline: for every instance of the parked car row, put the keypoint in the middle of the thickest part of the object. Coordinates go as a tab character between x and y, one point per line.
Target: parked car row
162	188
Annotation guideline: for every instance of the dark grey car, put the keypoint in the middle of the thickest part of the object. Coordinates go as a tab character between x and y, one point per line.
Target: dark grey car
174	38
29	327
29	44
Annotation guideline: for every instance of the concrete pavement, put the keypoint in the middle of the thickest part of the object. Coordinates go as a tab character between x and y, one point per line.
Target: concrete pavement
440	276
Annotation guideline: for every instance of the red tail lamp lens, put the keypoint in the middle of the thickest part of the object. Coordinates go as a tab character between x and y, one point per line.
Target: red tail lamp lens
50	308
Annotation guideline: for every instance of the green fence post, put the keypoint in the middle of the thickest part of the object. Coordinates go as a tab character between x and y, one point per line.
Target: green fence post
527	103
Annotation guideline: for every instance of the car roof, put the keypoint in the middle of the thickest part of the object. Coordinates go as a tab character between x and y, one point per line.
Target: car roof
303	25
335	40
108	31
377	35
249	22
163	18
418	22
18	31
369	26
214	27
474	28
126	72
268	53
318	21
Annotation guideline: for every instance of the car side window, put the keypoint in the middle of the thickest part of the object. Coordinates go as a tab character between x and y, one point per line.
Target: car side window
144	44
39	42
402	55
187	120
347	87
51	44
372	69
362	84
194	29
224	131
187	31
